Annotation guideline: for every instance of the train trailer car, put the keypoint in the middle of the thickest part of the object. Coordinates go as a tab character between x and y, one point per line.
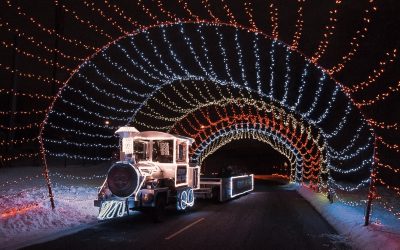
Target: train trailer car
225	188
153	172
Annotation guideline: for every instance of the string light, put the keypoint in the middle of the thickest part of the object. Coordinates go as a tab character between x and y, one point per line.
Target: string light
19	141
187	9
106	17
80	133
328	109
271	69
33	56
78	156
316	96
148	12
5	158
351	143
106	92
355	40
380	96
29	95
387	166
93	101
19	112
122	14
329	29
273	13
21	12
22	127
383	125
82	122
167	13
228	12
39	78
394	147
206	4
375	75
80	20
299	25
249	11
81	145
97	114
37	43
287	75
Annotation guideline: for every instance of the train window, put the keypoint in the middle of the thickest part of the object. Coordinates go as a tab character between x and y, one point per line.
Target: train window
181	174
163	151
140	151
181	151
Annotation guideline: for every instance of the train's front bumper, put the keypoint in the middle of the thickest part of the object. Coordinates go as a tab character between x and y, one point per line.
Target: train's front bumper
145	198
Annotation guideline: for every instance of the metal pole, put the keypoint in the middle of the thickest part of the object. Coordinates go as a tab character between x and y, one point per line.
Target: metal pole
371	191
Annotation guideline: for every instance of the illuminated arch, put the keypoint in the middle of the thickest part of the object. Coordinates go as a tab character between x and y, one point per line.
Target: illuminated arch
287	151
148	60
272	121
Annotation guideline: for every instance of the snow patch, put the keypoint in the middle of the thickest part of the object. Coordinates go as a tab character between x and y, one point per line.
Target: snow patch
349	222
26	216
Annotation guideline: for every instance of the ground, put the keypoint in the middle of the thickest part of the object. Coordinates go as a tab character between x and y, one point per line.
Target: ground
26	217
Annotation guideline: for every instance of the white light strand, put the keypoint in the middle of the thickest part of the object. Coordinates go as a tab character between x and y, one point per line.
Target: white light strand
287	75
271	70
302	86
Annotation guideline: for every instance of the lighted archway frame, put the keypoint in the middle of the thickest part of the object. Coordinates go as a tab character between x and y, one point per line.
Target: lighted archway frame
287	151
305	171
207	133
275	124
155	70
261	133
155	107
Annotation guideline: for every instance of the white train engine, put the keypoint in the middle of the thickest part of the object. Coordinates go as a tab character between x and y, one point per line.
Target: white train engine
153	172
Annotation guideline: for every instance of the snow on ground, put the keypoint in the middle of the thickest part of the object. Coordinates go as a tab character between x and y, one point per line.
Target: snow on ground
26	216
25	212
382	233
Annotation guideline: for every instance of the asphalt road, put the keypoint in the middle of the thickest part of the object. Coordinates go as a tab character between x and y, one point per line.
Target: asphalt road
271	217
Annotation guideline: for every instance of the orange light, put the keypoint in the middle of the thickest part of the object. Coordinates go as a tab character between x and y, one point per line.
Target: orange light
15	211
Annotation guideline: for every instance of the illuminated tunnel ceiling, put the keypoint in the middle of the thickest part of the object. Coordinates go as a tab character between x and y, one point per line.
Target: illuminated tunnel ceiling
161	79
215	71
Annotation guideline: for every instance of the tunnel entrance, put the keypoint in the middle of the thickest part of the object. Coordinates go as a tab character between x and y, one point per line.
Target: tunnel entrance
246	156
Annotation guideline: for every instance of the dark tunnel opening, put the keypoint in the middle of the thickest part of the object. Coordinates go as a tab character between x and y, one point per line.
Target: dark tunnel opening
246	156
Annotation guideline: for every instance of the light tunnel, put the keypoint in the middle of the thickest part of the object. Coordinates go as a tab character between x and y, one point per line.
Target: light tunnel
264	121
213	81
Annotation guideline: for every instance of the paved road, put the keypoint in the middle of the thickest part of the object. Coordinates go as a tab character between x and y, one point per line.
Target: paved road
269	218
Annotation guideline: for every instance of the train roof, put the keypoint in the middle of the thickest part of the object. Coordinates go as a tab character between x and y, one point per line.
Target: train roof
132	132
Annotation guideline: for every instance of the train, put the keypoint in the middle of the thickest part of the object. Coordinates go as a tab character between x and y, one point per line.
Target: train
154	171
